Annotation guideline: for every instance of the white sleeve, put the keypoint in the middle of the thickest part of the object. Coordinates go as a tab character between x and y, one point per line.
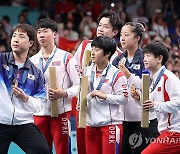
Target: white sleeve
173	90
120	95
34	104
134	79
74	78
73	91
77	55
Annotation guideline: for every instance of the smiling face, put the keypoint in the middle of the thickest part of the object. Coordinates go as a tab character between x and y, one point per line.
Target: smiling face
20	42
151	62
127	38
105	28
45	36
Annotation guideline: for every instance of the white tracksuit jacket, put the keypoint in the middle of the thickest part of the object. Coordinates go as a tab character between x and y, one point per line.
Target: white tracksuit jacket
13	111
132	110
66	77
168	112
102	112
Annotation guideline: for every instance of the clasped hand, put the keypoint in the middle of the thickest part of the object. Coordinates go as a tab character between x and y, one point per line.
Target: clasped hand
19	93
55	94
98	94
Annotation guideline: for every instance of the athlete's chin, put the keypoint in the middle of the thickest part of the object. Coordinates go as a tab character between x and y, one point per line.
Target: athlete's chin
93	60
146	66
17	51
123	46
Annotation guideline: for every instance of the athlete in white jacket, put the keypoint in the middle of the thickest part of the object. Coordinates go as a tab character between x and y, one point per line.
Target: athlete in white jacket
109	24
107	90
67	77
133	67
55	129
164	99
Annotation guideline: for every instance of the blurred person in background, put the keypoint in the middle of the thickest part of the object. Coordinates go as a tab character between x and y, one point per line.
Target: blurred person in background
87	26
151	6
25	13
159	25
3	36
68	31
2	48
7	26
170	16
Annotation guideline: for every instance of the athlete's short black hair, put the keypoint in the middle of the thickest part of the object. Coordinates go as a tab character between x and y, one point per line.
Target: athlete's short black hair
47	23
107	44
114	19
157	49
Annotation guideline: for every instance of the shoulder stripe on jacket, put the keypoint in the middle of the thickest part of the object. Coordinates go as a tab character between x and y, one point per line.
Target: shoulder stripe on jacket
84	44
119	52
116	76
67	57
166	97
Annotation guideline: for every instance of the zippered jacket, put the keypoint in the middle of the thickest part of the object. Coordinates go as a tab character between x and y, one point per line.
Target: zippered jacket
14	111
166	96
66	77
101	112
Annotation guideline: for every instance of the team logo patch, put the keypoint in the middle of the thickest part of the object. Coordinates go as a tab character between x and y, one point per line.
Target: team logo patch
56	63
136	66
30	76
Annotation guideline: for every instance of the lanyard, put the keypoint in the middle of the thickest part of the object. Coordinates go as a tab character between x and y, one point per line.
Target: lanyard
11	71
158	79
101	81
25	73
43	69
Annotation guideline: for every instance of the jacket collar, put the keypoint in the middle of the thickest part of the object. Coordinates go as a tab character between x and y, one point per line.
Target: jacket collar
11	60
138	54
52	53
155	76
104	71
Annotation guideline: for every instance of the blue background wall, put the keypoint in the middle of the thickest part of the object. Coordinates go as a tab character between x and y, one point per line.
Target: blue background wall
13	13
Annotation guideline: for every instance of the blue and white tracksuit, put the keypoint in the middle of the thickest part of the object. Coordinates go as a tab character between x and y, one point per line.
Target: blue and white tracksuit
30	79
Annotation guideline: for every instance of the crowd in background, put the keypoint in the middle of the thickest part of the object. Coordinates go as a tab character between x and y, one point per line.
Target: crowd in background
77	20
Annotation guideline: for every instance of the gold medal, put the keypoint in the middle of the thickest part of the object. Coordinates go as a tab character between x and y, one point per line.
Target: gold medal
133	88
122	61
15	82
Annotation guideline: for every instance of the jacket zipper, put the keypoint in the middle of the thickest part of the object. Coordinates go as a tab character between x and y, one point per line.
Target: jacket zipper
18	75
